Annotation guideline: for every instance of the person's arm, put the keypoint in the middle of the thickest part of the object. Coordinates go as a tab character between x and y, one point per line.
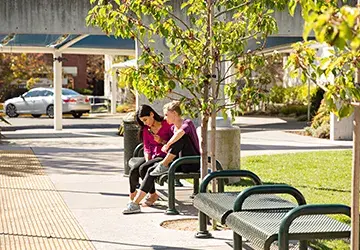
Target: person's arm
147	156
177	135
146	141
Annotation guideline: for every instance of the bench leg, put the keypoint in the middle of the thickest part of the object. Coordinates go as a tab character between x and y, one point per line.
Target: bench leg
237	241
196	188
203	232
171	210
303	245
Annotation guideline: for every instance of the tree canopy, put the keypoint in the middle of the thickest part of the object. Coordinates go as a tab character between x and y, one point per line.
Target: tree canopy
337	26
206	40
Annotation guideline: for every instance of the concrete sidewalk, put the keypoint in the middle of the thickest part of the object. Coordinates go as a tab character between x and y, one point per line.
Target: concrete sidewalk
85	168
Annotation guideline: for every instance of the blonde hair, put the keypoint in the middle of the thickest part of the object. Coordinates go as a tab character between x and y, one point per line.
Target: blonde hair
172	106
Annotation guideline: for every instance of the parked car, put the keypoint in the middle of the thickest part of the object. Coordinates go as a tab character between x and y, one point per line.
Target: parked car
38	101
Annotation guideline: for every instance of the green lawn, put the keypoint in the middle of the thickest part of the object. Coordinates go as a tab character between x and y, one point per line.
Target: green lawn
323	177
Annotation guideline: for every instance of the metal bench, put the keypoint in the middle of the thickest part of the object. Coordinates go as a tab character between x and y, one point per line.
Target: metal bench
262	225
172	176
262	217
217	205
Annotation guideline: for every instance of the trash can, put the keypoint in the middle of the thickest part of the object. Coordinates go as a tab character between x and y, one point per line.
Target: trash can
131	140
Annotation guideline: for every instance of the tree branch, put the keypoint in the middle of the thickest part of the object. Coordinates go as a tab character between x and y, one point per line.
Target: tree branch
232	8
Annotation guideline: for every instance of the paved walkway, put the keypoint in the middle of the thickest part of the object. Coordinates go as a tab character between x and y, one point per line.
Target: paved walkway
33	213
70	195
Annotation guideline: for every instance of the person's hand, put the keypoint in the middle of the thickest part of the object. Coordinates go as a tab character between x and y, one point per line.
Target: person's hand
165	148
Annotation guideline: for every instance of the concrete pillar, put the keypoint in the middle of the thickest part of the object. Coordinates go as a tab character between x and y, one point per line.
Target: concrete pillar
110	85
341	130
57	67
227	145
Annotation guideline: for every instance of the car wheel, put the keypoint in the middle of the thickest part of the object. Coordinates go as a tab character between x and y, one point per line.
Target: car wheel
77	115
50	111
36	115
11	111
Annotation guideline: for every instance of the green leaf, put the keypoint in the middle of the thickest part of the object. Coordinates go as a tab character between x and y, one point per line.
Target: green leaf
292	6
345	111
172	84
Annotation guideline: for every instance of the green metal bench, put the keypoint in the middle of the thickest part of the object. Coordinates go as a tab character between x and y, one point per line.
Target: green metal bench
172	176
262	217
262	225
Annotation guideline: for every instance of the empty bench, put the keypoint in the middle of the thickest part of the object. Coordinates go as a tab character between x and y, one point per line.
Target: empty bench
263	226
262	217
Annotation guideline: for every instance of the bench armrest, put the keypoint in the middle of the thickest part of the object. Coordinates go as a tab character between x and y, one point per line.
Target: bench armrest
228	173
311	209
189	160
268	189
138	149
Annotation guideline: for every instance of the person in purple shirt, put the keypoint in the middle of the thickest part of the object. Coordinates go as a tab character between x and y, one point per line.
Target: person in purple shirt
184	142
154	132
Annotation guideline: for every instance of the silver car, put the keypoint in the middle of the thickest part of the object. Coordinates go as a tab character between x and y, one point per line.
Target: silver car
40	101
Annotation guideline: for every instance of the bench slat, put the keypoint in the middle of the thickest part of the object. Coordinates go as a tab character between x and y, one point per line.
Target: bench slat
219	205
262	227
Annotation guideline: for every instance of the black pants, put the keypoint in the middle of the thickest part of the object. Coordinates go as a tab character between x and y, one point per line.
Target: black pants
140	170
183	146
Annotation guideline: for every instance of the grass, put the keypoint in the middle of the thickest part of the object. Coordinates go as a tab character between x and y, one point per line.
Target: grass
125	108
322	177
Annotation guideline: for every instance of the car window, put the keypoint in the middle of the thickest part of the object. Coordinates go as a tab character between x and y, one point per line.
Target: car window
69	92
41	93
32	93
48	93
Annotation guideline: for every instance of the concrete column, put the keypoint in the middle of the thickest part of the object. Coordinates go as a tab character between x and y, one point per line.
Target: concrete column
227	145
110	86
57	67
341	130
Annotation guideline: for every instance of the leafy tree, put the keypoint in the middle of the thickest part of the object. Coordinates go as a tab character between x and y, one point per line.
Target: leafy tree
336	25
29	68
339	28
95	73
206	41
20	68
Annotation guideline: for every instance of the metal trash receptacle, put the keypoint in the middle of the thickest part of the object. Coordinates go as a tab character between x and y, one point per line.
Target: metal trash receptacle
131	140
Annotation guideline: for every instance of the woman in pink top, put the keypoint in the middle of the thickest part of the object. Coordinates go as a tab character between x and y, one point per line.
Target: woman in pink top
154	132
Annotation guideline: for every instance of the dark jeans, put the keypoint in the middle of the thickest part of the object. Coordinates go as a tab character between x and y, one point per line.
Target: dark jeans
184	147
140	170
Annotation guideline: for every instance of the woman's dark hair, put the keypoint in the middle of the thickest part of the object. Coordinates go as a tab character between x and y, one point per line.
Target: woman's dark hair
145	110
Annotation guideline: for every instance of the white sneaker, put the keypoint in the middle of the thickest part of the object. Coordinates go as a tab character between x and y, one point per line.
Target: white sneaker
159	170
132	208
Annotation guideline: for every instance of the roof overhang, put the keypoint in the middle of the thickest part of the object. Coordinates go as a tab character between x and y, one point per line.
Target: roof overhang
67	44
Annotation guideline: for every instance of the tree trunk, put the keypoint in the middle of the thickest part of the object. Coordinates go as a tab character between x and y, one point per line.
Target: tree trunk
204	144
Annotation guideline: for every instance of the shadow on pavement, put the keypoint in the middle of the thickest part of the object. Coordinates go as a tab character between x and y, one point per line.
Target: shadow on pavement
281	126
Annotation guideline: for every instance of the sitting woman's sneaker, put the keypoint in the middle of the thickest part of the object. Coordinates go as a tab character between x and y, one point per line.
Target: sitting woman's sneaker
132	208
159	170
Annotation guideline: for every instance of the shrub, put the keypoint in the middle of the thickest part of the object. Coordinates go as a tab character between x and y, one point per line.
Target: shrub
320	126
294	109
84	91
277	94
291	95
322	116
125	108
